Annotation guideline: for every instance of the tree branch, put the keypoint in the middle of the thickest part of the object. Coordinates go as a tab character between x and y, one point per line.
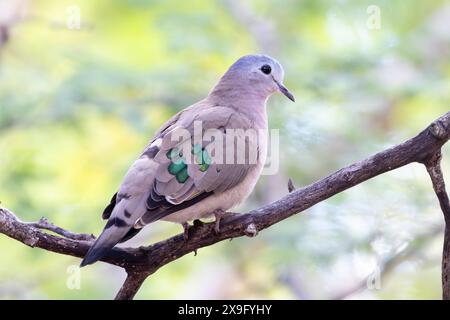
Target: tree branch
43	223
131	285
144	261
433	165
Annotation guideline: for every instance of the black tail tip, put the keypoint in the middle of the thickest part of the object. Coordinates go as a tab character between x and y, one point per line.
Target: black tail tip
86	261
93	256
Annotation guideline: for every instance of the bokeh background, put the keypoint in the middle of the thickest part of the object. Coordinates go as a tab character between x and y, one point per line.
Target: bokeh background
78	105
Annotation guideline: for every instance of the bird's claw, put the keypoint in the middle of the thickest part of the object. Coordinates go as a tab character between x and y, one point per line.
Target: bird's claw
218	214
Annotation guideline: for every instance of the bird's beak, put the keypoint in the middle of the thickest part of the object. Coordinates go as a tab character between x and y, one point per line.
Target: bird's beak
284	91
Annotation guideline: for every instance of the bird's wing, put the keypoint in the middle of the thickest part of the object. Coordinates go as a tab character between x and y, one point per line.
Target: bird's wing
129	203
190	170
182	118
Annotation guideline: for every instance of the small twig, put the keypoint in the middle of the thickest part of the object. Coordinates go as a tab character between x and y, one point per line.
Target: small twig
291	186
43	223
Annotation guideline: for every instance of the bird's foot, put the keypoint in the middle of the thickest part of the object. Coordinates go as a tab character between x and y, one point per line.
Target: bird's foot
218	214
185	231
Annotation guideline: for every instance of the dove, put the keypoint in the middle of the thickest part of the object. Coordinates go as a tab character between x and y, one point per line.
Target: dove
182	175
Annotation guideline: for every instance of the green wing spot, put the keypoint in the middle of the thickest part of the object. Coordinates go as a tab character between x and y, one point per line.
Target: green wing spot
169	154
182	176
175	155
204	161
203	167
196	149
174	168
205	157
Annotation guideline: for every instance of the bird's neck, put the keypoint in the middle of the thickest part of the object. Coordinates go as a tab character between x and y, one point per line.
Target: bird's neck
247	100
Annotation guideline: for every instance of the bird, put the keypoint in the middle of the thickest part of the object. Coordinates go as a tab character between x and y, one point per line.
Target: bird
179	180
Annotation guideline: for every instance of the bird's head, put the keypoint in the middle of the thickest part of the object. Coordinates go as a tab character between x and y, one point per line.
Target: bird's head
255	75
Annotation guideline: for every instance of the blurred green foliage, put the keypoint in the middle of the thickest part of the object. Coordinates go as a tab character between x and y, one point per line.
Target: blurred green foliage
77	107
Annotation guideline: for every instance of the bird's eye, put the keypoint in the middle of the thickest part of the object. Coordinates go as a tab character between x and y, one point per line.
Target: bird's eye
266	69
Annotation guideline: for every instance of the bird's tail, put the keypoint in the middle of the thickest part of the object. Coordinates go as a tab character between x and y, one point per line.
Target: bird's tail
118	227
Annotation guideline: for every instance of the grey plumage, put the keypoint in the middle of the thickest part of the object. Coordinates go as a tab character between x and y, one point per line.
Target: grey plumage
167	182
